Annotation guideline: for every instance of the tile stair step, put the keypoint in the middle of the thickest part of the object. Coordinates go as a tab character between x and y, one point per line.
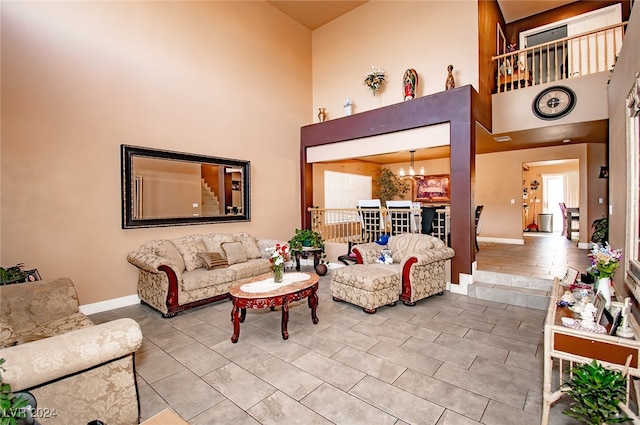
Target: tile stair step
507	279
514	290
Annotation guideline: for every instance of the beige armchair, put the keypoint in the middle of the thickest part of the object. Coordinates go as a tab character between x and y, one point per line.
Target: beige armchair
77	371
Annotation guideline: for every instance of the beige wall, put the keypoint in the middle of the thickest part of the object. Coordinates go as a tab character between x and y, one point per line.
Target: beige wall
627	66
394	35
81	78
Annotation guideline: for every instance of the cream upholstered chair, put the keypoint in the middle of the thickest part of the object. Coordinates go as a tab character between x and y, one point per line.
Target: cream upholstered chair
77	371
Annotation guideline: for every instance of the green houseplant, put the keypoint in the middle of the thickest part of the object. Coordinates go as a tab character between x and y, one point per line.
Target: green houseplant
12	406
307	238
12	274
390	186
596	392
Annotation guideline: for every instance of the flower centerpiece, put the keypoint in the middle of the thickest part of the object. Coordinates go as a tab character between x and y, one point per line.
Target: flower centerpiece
279	255
374	79
604	260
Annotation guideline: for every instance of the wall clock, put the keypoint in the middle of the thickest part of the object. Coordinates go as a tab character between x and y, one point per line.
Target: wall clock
554	102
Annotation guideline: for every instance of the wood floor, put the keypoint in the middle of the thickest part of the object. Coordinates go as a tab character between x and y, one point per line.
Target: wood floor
543	255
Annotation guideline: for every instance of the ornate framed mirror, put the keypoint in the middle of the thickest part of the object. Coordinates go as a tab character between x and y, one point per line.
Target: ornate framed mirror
167	188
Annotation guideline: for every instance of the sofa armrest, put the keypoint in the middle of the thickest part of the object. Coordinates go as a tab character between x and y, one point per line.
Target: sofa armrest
148	261
367	253
35	363
264	243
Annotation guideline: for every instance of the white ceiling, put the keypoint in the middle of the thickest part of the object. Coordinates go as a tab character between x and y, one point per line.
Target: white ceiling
315	13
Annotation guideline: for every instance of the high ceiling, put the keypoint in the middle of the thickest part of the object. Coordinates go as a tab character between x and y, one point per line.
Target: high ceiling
315	13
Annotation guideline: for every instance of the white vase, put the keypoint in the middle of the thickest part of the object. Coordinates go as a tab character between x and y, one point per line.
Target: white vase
605	289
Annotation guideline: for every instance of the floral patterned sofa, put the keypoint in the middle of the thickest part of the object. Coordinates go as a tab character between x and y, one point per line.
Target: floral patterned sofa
417	271
77	371
174	275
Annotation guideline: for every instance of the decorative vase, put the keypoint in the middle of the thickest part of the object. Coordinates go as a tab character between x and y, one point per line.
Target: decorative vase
604	288
278	273
321	269
450	83
322	114
410	83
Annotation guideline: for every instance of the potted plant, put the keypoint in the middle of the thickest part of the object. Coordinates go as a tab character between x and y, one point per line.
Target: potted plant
390	186
307	238
596	393
13	274
12	406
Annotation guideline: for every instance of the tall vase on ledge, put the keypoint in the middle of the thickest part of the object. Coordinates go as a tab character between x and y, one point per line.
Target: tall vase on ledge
605	289
278	273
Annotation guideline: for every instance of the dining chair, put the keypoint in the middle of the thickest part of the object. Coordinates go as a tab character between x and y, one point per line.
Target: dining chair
478	224
401	218
370	215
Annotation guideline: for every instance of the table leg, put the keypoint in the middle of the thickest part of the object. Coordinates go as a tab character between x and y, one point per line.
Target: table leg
285	319
298	255
568	225
316	259
243	314
313	304
236	323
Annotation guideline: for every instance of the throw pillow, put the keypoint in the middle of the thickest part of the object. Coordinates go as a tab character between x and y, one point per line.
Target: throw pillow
189	247
213	241
168	250
250	245
213	260
235	252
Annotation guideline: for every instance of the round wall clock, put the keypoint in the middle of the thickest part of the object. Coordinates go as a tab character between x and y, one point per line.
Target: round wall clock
554	102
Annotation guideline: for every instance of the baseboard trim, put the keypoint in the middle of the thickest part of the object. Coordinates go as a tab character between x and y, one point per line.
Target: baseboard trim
501	240
112	304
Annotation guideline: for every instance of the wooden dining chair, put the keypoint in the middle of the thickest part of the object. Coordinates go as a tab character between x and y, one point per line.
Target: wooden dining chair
479	209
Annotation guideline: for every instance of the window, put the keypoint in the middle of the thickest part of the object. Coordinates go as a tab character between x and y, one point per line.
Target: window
633	179
343	190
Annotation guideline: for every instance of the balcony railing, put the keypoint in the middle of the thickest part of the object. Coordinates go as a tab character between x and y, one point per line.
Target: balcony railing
361	225
582	54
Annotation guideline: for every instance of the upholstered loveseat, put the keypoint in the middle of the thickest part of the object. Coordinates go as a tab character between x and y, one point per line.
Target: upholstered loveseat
174	275
77	371
417	271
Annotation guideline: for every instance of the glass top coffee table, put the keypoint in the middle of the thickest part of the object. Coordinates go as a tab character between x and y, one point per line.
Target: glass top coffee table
262	292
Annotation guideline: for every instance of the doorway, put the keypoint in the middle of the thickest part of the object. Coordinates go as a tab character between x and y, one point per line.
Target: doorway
552	195
545	185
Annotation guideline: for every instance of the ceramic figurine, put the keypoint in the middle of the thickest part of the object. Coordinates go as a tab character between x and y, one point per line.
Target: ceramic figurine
322	114
410	84
347	106
450	83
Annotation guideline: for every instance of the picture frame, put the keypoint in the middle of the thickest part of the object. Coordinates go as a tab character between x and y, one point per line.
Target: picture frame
599	304
32	275
433	189
570	277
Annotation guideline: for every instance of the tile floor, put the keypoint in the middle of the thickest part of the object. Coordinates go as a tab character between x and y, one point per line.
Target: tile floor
450	360
543	255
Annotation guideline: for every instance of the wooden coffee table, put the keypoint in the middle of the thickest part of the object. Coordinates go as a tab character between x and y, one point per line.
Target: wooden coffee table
281	296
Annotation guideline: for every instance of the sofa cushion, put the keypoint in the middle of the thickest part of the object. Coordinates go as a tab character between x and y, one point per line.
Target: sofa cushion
189	247
203	278
213	242
253	267
168	249
56	327
235	252
7	337
213	260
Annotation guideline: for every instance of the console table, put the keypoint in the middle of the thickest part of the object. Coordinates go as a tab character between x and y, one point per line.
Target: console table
564	346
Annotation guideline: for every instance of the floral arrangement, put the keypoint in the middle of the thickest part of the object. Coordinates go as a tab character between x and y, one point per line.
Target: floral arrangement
279	255
374	79
604	260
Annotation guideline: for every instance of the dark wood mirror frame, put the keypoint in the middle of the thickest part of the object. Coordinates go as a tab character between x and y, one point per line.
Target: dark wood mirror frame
233	186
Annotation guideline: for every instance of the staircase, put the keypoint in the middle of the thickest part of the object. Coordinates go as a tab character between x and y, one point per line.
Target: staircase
511	289
210	202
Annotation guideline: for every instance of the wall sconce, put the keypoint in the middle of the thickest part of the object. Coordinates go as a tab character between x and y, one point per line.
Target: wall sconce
604	172
412	172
